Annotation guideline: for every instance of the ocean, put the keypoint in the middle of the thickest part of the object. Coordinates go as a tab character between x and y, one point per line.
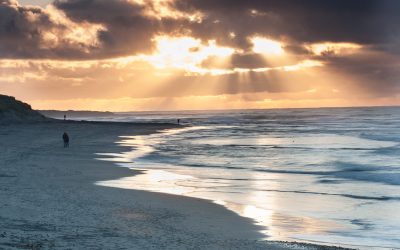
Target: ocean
325	176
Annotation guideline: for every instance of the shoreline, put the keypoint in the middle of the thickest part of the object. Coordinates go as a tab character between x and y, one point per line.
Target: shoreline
52	201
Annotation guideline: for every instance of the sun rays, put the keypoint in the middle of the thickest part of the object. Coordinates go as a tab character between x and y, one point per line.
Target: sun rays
184	72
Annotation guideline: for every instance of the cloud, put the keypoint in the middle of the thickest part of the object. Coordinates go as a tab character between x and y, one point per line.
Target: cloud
357	21
372	72
125	27
248	61
34	32
82	29
130	26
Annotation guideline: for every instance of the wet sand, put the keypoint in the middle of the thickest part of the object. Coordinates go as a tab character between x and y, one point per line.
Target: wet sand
49	200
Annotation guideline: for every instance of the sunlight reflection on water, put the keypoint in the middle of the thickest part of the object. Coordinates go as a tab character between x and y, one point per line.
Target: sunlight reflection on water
332	185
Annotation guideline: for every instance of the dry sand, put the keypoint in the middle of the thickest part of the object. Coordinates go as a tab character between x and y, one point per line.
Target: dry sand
49	200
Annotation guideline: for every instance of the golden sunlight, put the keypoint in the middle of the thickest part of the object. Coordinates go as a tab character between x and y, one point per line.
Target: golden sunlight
185	53
267	46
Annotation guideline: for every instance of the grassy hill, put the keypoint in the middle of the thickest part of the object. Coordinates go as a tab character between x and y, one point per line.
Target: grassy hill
12	110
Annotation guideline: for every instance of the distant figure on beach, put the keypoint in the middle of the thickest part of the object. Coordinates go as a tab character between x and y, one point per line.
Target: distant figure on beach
66	140
179	121
65	117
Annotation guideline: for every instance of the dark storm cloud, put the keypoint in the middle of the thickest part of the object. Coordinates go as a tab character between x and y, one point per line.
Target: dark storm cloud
127	30
358	21
377	75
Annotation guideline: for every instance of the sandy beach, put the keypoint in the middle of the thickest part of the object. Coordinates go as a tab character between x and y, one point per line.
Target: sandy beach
49	200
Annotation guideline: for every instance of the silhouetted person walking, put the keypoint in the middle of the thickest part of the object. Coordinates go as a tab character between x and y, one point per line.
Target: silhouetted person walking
66	140
65	117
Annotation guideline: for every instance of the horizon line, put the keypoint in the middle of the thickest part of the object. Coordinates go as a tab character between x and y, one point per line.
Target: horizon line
234	109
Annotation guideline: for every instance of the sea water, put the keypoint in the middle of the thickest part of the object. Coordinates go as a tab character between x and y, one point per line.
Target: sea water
329	175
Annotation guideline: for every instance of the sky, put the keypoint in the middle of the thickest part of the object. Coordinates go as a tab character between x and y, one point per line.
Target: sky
134	55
